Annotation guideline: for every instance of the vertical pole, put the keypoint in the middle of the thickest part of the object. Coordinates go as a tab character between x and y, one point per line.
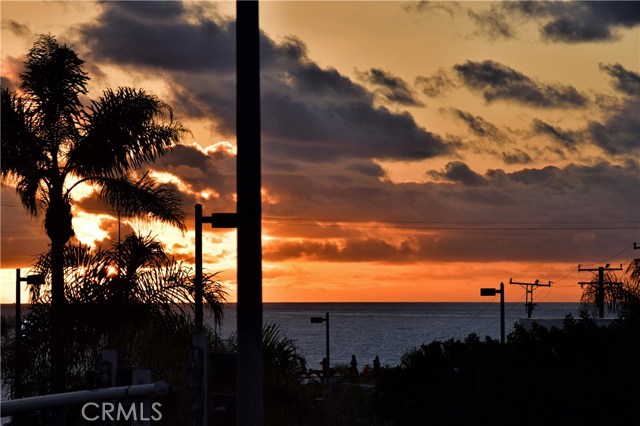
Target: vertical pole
600	292
197	382
327	374
198	361
18	342
502	313
198	281
248	183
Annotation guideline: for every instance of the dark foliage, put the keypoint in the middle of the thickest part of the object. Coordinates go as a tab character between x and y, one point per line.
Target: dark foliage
581	374
131	298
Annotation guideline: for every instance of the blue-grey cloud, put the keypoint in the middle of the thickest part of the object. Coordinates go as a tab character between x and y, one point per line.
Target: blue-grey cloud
559	22
516	156
436	84
457	171
619	132
158	35
624	80
18	28
391	87
568	139
310	113
478	125
492	23
486	220
498	82
581	21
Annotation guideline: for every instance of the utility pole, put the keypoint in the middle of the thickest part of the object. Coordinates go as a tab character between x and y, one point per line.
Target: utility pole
599	284
249	208
529	287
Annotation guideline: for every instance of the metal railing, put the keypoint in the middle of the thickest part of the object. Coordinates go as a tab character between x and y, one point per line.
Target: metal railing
45	402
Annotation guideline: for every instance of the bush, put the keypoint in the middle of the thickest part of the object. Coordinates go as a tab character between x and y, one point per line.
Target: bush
578	375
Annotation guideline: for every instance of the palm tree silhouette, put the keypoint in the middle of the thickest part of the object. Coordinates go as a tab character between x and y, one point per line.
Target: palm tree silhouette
132	297
51	143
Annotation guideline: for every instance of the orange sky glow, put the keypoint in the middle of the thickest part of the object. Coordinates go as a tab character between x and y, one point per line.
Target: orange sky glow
411	151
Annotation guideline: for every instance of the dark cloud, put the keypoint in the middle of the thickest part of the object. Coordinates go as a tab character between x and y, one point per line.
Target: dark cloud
581	21
309	132
17	28
499	82
321	131
575	196
392	88
157	34
627	82
113	230
478	125
559	22
309	113
436	84
516	156
457	171
619	132
211	170
423	7
353	250
368	169
492	23
457	244
567	139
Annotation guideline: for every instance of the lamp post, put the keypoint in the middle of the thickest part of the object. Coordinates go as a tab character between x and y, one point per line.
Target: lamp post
199	357
327	364
29	279
492	292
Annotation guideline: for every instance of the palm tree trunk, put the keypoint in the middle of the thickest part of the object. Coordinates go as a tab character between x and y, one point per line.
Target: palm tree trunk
58	302
59	229
58	364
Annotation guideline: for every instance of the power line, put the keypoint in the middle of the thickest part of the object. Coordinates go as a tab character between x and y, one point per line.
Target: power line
433	225
340	220
470	228
628	247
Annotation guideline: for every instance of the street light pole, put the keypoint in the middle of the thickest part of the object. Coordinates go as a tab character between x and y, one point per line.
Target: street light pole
327	350
327	364
198	291
493	292
17	387
30	279
502	313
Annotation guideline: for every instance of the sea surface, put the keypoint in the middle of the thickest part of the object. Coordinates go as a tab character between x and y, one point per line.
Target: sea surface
388	330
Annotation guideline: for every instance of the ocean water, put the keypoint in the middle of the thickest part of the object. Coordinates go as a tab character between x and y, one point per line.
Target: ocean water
388	330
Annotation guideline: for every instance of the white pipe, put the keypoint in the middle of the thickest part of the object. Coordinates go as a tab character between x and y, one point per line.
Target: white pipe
44	402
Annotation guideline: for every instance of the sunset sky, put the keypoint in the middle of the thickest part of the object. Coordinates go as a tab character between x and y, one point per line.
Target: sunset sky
410	151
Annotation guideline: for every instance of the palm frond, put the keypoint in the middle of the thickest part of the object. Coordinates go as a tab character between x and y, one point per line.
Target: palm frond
24	161
125	130
145	198
137	252
54	79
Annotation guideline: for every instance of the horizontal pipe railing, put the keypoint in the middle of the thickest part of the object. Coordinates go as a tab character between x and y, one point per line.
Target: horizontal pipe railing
45	402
